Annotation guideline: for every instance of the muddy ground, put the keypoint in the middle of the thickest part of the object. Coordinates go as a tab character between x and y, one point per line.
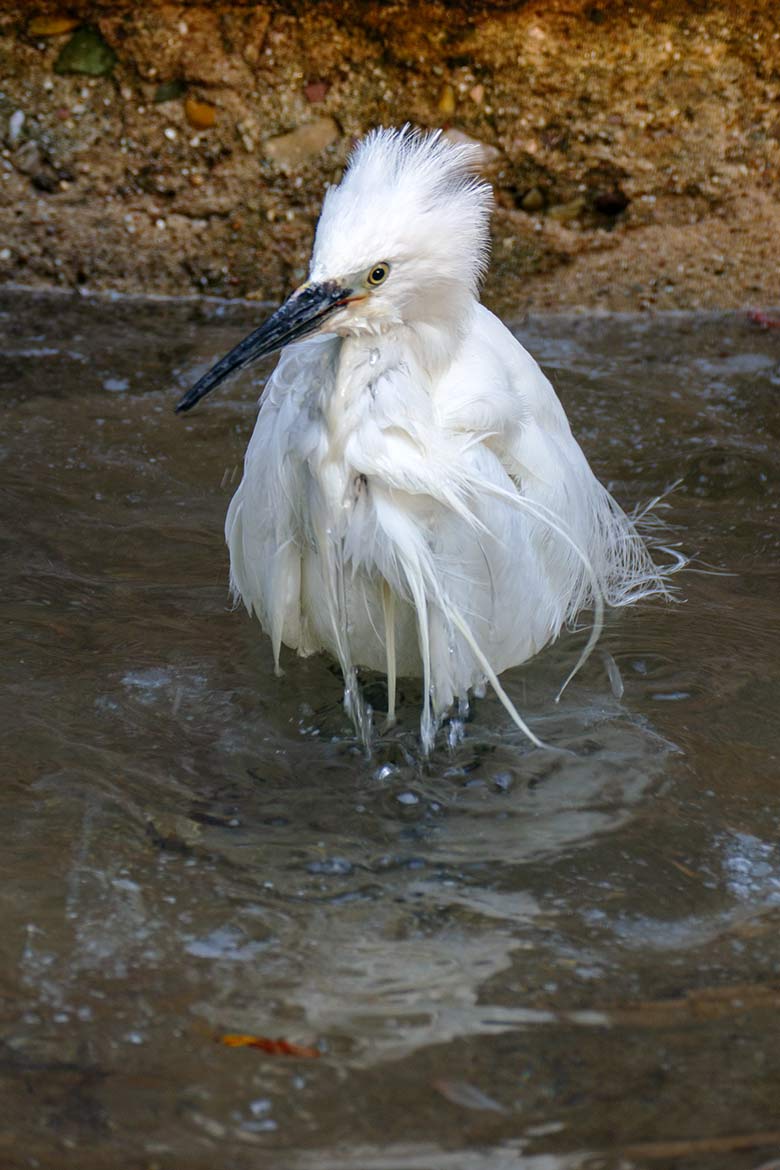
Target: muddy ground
180	148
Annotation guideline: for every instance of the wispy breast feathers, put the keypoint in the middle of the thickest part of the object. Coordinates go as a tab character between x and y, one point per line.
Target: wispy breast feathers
407	194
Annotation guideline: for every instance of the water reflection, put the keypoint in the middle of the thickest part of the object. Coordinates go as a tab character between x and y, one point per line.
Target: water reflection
195	847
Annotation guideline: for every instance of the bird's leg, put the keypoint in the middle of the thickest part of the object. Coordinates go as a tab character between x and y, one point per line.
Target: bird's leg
388	609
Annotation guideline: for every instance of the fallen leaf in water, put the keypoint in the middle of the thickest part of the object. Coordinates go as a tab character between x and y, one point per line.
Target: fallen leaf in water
266	1044
469	1096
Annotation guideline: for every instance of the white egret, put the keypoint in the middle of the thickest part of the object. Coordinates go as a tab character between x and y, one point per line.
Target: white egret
413	499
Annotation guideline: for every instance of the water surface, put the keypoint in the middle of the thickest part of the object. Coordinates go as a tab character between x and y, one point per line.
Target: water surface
507	958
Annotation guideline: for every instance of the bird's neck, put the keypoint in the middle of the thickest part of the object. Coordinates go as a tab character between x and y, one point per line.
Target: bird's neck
429	345
435	346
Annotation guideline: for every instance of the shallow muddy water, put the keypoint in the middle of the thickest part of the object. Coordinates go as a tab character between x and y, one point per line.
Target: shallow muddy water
506	958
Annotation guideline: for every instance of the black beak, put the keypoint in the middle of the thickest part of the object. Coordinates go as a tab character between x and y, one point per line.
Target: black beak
301	314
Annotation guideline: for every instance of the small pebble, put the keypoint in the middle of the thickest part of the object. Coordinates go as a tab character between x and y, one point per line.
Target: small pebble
566	212
86	52
316	91
168	91
533	200
477	94
27	159
447	101
487	153
51	26
15	123
292	150
201	115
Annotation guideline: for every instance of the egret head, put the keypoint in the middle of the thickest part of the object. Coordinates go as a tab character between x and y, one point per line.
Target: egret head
406	230
402	240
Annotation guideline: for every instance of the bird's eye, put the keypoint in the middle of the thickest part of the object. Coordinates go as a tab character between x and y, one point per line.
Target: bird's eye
378	274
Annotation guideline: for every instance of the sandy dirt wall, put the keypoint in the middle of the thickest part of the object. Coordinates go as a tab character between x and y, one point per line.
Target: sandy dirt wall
177	148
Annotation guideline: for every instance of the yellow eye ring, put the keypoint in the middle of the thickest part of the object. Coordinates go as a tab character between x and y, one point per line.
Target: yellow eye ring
378	274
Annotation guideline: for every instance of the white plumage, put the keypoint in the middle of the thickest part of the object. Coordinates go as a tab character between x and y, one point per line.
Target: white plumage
413	499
